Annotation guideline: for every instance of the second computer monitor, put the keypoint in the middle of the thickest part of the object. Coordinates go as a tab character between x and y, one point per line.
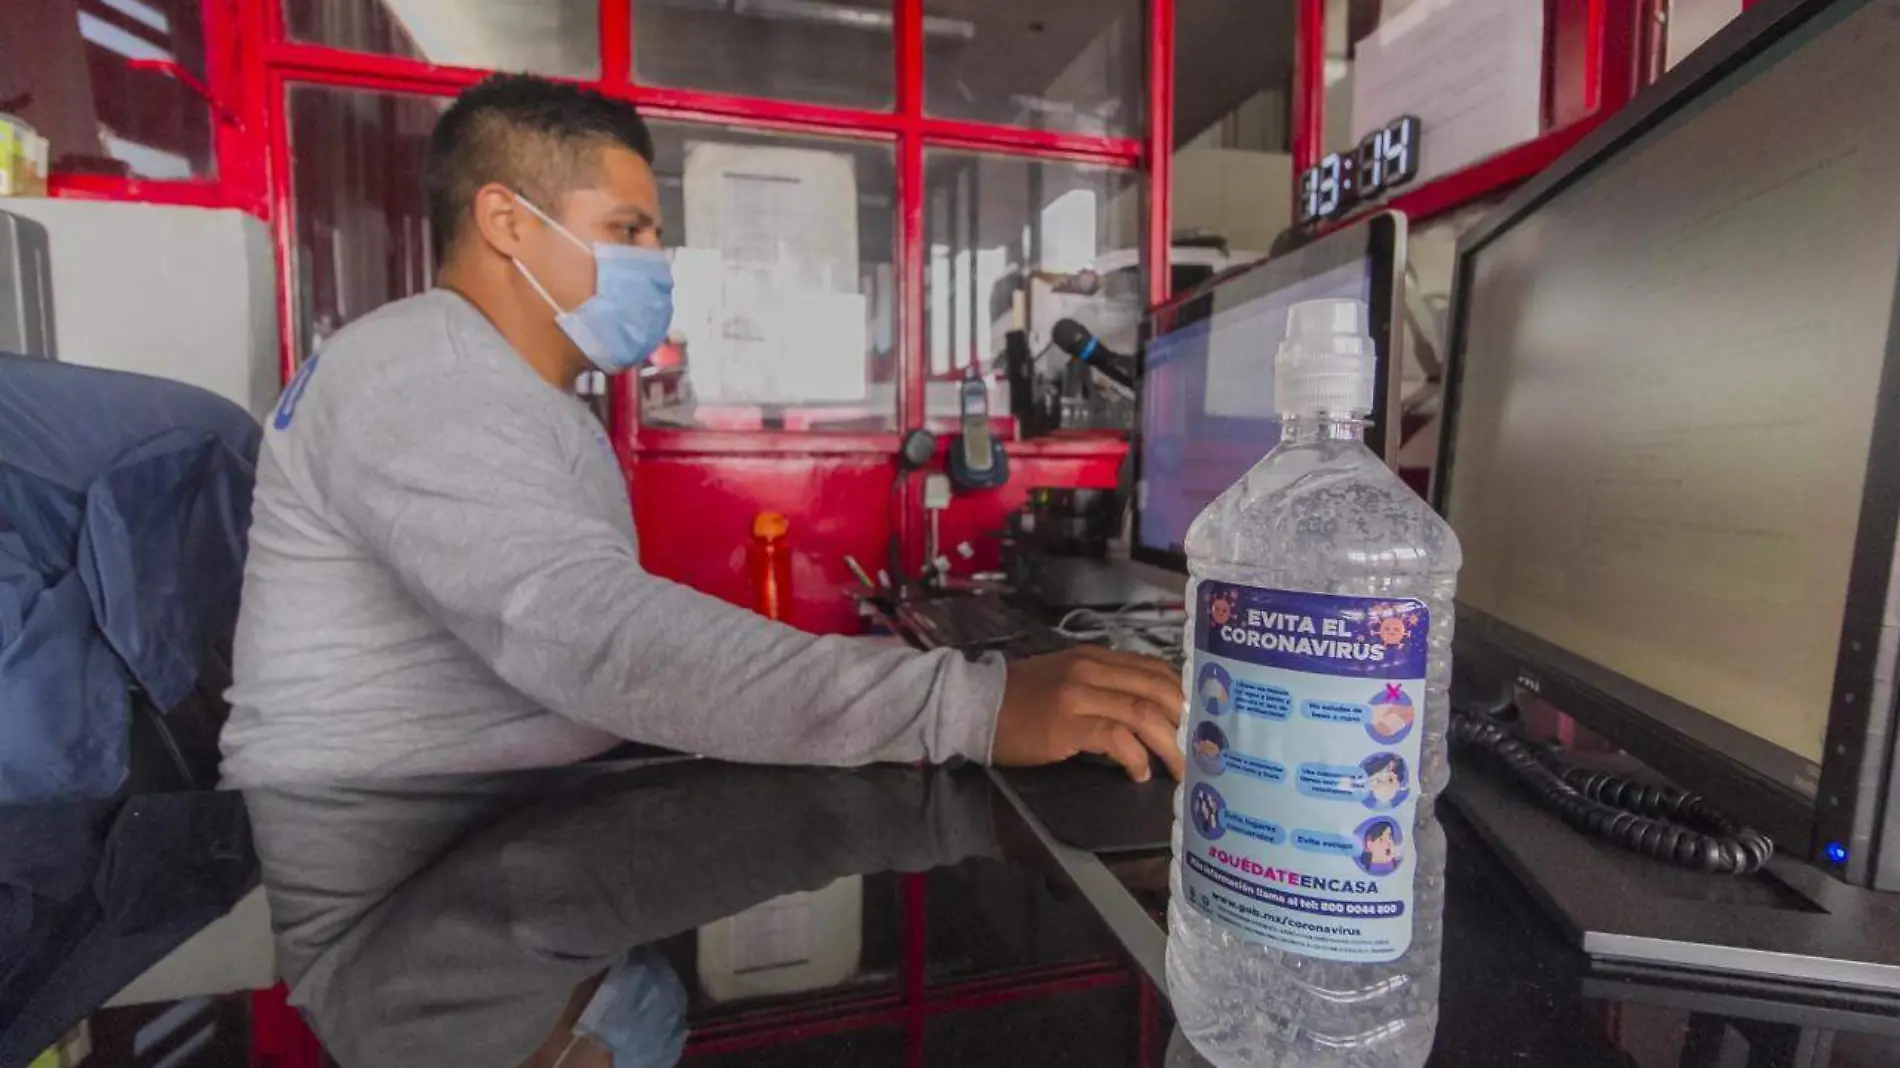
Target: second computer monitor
1207	411
1671	445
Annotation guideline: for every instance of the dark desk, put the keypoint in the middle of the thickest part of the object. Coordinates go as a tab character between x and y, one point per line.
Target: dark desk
450	922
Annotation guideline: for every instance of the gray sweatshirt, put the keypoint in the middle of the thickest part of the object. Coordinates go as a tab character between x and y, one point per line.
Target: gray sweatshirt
444	577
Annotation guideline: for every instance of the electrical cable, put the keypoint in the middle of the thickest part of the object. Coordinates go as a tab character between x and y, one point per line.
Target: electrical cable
1658	822
1153	628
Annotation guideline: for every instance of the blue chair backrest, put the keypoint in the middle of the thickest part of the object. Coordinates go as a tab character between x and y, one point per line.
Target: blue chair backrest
124	507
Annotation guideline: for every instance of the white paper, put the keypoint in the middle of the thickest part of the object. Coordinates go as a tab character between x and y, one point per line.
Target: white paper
696	300
1472	71
769	302
820	343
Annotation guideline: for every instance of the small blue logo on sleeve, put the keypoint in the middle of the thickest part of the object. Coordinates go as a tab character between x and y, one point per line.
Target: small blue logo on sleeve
287	404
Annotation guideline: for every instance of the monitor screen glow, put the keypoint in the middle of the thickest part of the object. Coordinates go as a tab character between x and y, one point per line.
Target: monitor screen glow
1207	403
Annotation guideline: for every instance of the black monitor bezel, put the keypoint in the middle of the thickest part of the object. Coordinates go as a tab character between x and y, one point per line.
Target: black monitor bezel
1379	240
1859	776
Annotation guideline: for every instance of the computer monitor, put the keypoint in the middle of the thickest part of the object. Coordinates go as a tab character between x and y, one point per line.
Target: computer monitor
1206	397
1672	431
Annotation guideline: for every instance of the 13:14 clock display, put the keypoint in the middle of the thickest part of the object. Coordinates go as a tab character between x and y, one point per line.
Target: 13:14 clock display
1386	159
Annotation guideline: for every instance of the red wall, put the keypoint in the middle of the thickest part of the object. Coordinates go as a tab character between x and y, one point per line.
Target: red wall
694	510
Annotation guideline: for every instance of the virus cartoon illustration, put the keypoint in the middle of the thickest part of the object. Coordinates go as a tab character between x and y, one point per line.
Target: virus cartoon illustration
1392	624
1221	610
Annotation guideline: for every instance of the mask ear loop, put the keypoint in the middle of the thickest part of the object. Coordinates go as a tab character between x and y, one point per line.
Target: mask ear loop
549	219
572	1041
529	275
536	283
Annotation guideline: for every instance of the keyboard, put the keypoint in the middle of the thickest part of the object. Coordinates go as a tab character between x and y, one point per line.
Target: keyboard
981	624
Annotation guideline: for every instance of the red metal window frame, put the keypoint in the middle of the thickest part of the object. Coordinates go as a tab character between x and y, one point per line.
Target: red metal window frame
256	63
253	64
278	63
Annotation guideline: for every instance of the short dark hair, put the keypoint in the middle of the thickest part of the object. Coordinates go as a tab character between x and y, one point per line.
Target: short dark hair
535	136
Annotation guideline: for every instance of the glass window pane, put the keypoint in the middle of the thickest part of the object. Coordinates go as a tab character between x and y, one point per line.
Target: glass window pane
362	223
810	51
558	37
785	306
1062	240
63	71
1233	164
1070	68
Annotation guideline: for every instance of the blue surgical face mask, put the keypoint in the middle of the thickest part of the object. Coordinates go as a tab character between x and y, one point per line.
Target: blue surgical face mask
638	1013
632	306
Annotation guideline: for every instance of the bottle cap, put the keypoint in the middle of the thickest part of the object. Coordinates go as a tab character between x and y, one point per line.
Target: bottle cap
1326	364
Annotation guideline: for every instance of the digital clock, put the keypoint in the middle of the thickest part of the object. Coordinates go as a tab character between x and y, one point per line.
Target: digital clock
1386	159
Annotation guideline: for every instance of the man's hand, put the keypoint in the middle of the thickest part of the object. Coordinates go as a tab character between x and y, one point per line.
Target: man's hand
1090	700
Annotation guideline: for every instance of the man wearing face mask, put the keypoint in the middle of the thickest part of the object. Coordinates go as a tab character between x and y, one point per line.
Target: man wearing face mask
443	571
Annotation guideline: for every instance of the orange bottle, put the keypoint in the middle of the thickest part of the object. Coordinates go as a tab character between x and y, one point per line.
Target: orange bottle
771	560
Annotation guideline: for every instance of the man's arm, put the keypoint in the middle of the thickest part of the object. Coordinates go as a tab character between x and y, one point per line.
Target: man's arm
476	511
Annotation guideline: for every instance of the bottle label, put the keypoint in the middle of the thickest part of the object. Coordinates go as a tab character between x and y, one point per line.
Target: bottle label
1303	755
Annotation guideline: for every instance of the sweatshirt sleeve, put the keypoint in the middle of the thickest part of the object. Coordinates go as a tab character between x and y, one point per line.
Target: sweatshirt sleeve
476	509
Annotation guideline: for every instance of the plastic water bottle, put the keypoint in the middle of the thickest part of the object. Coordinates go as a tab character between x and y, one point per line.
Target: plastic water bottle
1308	881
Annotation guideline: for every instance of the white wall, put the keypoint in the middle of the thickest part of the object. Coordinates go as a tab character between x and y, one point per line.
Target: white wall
182	293
1246	197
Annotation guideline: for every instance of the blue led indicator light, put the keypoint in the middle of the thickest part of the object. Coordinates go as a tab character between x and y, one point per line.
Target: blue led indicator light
1836	852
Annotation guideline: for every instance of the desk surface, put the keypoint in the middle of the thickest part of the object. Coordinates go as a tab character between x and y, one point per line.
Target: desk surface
449	921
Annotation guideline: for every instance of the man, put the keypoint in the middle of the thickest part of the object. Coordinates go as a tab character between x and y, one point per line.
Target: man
443	573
